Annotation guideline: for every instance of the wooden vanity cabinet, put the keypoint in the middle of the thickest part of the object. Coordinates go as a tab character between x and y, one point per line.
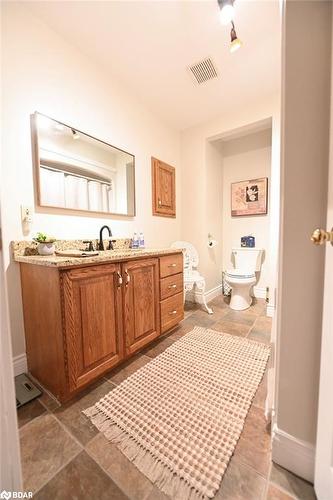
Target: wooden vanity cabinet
163	188
93	322
172	291
141	303
81	322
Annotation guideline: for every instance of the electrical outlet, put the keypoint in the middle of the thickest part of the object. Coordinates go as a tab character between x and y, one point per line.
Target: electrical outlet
26	213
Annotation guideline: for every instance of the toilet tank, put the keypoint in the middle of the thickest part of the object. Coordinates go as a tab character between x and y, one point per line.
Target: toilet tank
248	258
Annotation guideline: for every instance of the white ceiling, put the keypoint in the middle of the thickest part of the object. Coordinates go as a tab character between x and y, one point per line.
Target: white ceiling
148	46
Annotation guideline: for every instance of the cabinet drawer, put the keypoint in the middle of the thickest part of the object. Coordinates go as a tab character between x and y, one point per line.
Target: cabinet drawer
171	264
172	311
171	285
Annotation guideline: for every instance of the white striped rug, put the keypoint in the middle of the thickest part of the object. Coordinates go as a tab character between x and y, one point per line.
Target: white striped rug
179	417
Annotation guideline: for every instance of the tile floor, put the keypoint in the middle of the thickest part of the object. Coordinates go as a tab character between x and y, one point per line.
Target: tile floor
64	457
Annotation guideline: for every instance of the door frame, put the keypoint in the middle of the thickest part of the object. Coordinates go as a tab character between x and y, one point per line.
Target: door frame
10	461
324	444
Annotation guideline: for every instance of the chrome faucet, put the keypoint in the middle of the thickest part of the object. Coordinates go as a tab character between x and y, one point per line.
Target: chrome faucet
101	244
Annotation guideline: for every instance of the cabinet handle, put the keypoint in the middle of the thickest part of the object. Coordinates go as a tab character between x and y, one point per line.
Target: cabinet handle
172	265
120	279
159	202
172	286
173	312
128	278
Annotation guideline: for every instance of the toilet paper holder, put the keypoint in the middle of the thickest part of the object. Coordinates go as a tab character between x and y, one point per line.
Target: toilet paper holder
211	242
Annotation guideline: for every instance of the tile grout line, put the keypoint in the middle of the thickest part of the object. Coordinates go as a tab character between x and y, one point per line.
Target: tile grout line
83	448
64	428
32	420
267	481
279	487
57	471
48	412
239	459
104	470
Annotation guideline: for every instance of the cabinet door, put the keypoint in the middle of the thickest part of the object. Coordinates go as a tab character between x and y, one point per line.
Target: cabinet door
141	303
93	322
164	189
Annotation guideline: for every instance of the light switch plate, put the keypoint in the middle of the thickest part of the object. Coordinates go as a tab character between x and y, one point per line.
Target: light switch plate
26	213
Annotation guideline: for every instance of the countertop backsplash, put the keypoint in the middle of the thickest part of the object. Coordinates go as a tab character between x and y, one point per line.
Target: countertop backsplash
29	248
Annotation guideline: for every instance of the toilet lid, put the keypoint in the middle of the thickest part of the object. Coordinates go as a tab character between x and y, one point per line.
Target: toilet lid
240	273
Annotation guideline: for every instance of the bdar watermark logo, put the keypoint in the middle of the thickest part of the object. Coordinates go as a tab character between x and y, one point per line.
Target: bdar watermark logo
6	495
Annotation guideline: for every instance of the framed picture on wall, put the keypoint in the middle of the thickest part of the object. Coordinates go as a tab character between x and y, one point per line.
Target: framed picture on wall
249	197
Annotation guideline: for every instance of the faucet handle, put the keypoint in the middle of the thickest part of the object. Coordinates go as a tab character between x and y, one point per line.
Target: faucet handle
90	246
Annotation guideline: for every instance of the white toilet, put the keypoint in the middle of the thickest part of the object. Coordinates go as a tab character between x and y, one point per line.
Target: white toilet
242	278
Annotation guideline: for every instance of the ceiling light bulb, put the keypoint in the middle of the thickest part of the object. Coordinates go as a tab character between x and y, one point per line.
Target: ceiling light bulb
235	45
235	41
76	135
227	13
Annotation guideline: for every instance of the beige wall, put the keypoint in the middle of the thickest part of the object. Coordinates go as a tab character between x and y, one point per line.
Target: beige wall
202	182
247	157
306	97
40	71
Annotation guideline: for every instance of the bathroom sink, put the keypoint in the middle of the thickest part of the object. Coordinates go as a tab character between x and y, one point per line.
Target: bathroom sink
76	253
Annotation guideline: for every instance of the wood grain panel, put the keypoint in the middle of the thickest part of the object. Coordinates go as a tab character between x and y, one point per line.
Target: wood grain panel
97	296
171	285
171	264
43	326
93	307
141	303
172	311
75	317
164	188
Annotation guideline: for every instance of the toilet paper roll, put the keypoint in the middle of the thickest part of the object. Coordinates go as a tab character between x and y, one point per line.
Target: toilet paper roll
212	243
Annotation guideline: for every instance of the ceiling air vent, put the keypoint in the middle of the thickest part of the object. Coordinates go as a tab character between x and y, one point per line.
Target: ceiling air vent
203	71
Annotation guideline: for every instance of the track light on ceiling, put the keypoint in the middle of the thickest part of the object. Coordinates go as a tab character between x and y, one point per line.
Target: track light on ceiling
227	11
75	134
235	41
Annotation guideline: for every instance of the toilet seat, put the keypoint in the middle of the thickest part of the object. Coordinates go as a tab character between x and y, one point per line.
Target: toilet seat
241	282
240	274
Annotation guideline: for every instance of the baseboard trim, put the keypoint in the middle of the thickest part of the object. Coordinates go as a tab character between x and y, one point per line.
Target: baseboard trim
259	292
270	310
293	454
20	364
195	296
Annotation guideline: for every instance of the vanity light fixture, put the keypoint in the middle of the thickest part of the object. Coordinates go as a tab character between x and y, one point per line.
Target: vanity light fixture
235	41
75	134
227	11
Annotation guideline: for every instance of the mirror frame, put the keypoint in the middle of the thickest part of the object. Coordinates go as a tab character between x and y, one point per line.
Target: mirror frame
36	168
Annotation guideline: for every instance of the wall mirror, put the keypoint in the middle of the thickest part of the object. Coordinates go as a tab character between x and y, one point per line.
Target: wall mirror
75	171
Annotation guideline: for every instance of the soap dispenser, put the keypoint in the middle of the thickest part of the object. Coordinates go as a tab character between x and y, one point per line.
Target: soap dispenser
141	240
135	242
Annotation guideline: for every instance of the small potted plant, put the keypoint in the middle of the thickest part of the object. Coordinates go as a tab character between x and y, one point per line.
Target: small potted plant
45	244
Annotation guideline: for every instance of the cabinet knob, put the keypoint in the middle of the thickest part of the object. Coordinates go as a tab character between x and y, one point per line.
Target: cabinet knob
128	278
172	286
173	312
172	265
120	279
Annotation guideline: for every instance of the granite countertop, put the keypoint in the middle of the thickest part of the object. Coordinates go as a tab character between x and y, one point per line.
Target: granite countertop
103	256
